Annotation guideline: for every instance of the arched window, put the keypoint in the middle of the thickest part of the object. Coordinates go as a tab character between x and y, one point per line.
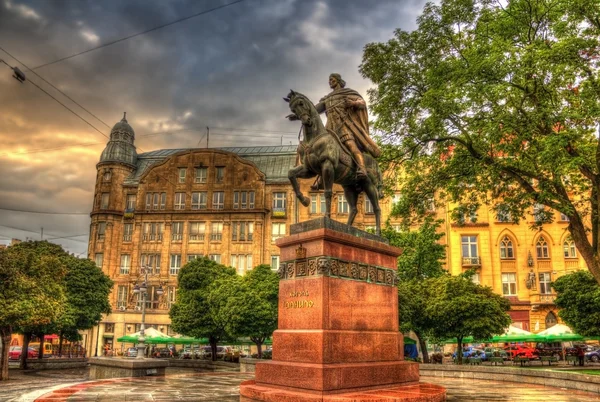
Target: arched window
506	249
542	248
551	320
569	248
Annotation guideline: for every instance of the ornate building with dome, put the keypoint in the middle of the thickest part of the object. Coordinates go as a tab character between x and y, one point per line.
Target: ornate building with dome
153	212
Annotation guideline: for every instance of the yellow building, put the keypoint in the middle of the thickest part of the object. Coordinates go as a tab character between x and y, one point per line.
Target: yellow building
155	211
514	260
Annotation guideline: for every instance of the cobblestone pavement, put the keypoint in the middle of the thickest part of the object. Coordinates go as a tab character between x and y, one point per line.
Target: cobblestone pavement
187	385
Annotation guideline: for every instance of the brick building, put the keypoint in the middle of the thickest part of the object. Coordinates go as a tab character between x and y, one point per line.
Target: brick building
162	208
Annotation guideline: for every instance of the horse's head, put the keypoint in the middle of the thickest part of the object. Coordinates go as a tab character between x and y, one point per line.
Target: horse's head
301	106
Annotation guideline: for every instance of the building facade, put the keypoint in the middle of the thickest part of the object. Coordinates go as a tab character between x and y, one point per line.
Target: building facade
154	212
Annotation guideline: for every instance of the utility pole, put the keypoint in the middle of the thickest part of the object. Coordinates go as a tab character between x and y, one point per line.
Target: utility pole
42	237
207	135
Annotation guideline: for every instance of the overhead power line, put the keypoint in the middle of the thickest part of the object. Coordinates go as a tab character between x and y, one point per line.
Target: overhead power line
139	33
43	212
64	94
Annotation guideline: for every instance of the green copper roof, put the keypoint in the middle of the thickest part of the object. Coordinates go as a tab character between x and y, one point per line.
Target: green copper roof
273	161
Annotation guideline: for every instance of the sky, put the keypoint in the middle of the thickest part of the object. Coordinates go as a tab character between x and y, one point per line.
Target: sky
227	69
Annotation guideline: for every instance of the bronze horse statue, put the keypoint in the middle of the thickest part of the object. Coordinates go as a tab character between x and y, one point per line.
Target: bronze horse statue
322	153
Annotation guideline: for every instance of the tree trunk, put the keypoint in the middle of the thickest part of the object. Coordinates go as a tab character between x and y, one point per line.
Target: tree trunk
213	348
41	354
5	333
60	341
25	350
459	354
423	346
259	343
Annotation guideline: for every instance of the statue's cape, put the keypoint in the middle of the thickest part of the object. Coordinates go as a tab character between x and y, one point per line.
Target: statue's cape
357	121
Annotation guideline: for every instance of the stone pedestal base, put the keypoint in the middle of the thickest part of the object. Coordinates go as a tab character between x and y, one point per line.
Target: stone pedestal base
421	392
337	337
106	367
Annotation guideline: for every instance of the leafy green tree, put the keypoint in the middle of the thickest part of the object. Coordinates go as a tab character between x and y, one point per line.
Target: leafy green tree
421	259
87	289
461	308
249	304
192	313
498	104
578	296
31	291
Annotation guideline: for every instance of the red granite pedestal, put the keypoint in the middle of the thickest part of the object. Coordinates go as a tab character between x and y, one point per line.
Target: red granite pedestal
338	336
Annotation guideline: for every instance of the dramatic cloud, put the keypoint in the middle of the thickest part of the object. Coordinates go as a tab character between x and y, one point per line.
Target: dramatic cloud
226	70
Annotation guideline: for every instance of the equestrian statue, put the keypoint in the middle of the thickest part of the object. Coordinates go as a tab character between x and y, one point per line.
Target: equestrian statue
340	152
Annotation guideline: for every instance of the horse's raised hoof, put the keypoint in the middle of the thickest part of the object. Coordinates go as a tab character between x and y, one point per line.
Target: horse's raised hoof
304	200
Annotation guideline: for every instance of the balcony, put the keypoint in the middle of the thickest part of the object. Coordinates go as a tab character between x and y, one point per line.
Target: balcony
129	213
197	237
471	262
278	213
177	236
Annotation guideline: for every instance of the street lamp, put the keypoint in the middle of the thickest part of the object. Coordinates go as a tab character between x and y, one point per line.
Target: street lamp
143	290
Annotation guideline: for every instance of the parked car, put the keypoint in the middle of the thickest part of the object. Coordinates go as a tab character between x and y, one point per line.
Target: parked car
495	352
221	352
593	354
266	354
521	351
14	353
162	352
130	352
471	351
186	353
549	349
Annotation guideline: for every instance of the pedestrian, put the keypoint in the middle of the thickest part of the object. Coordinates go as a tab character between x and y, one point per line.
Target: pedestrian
580	354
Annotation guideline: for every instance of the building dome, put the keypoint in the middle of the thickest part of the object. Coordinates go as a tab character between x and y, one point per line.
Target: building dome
120	147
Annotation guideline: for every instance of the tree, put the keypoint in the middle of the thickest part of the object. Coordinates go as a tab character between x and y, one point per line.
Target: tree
499	105
578	297
31	291
191	314
421	259
249	304
87	289
461	308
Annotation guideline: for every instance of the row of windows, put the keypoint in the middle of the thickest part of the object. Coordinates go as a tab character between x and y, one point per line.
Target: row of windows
317	204
201	174
469	248
509	282
198	200
151	262
152	298
196	231
505	216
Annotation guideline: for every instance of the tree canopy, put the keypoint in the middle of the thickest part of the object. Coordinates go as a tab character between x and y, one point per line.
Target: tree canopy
499	104
192	313
249	304
87	290
461	308
31	290
578	296
421	260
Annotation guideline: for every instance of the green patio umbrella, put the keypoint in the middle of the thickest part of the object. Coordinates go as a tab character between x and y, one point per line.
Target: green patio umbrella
560	333
515	334
466	339
409	341
563	338
151	336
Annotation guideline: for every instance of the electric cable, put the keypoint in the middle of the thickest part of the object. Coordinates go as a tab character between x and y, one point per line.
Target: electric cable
43	212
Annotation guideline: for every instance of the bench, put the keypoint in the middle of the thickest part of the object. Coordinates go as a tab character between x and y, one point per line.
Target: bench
548	359
474	360
522	360
572	359
496	360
